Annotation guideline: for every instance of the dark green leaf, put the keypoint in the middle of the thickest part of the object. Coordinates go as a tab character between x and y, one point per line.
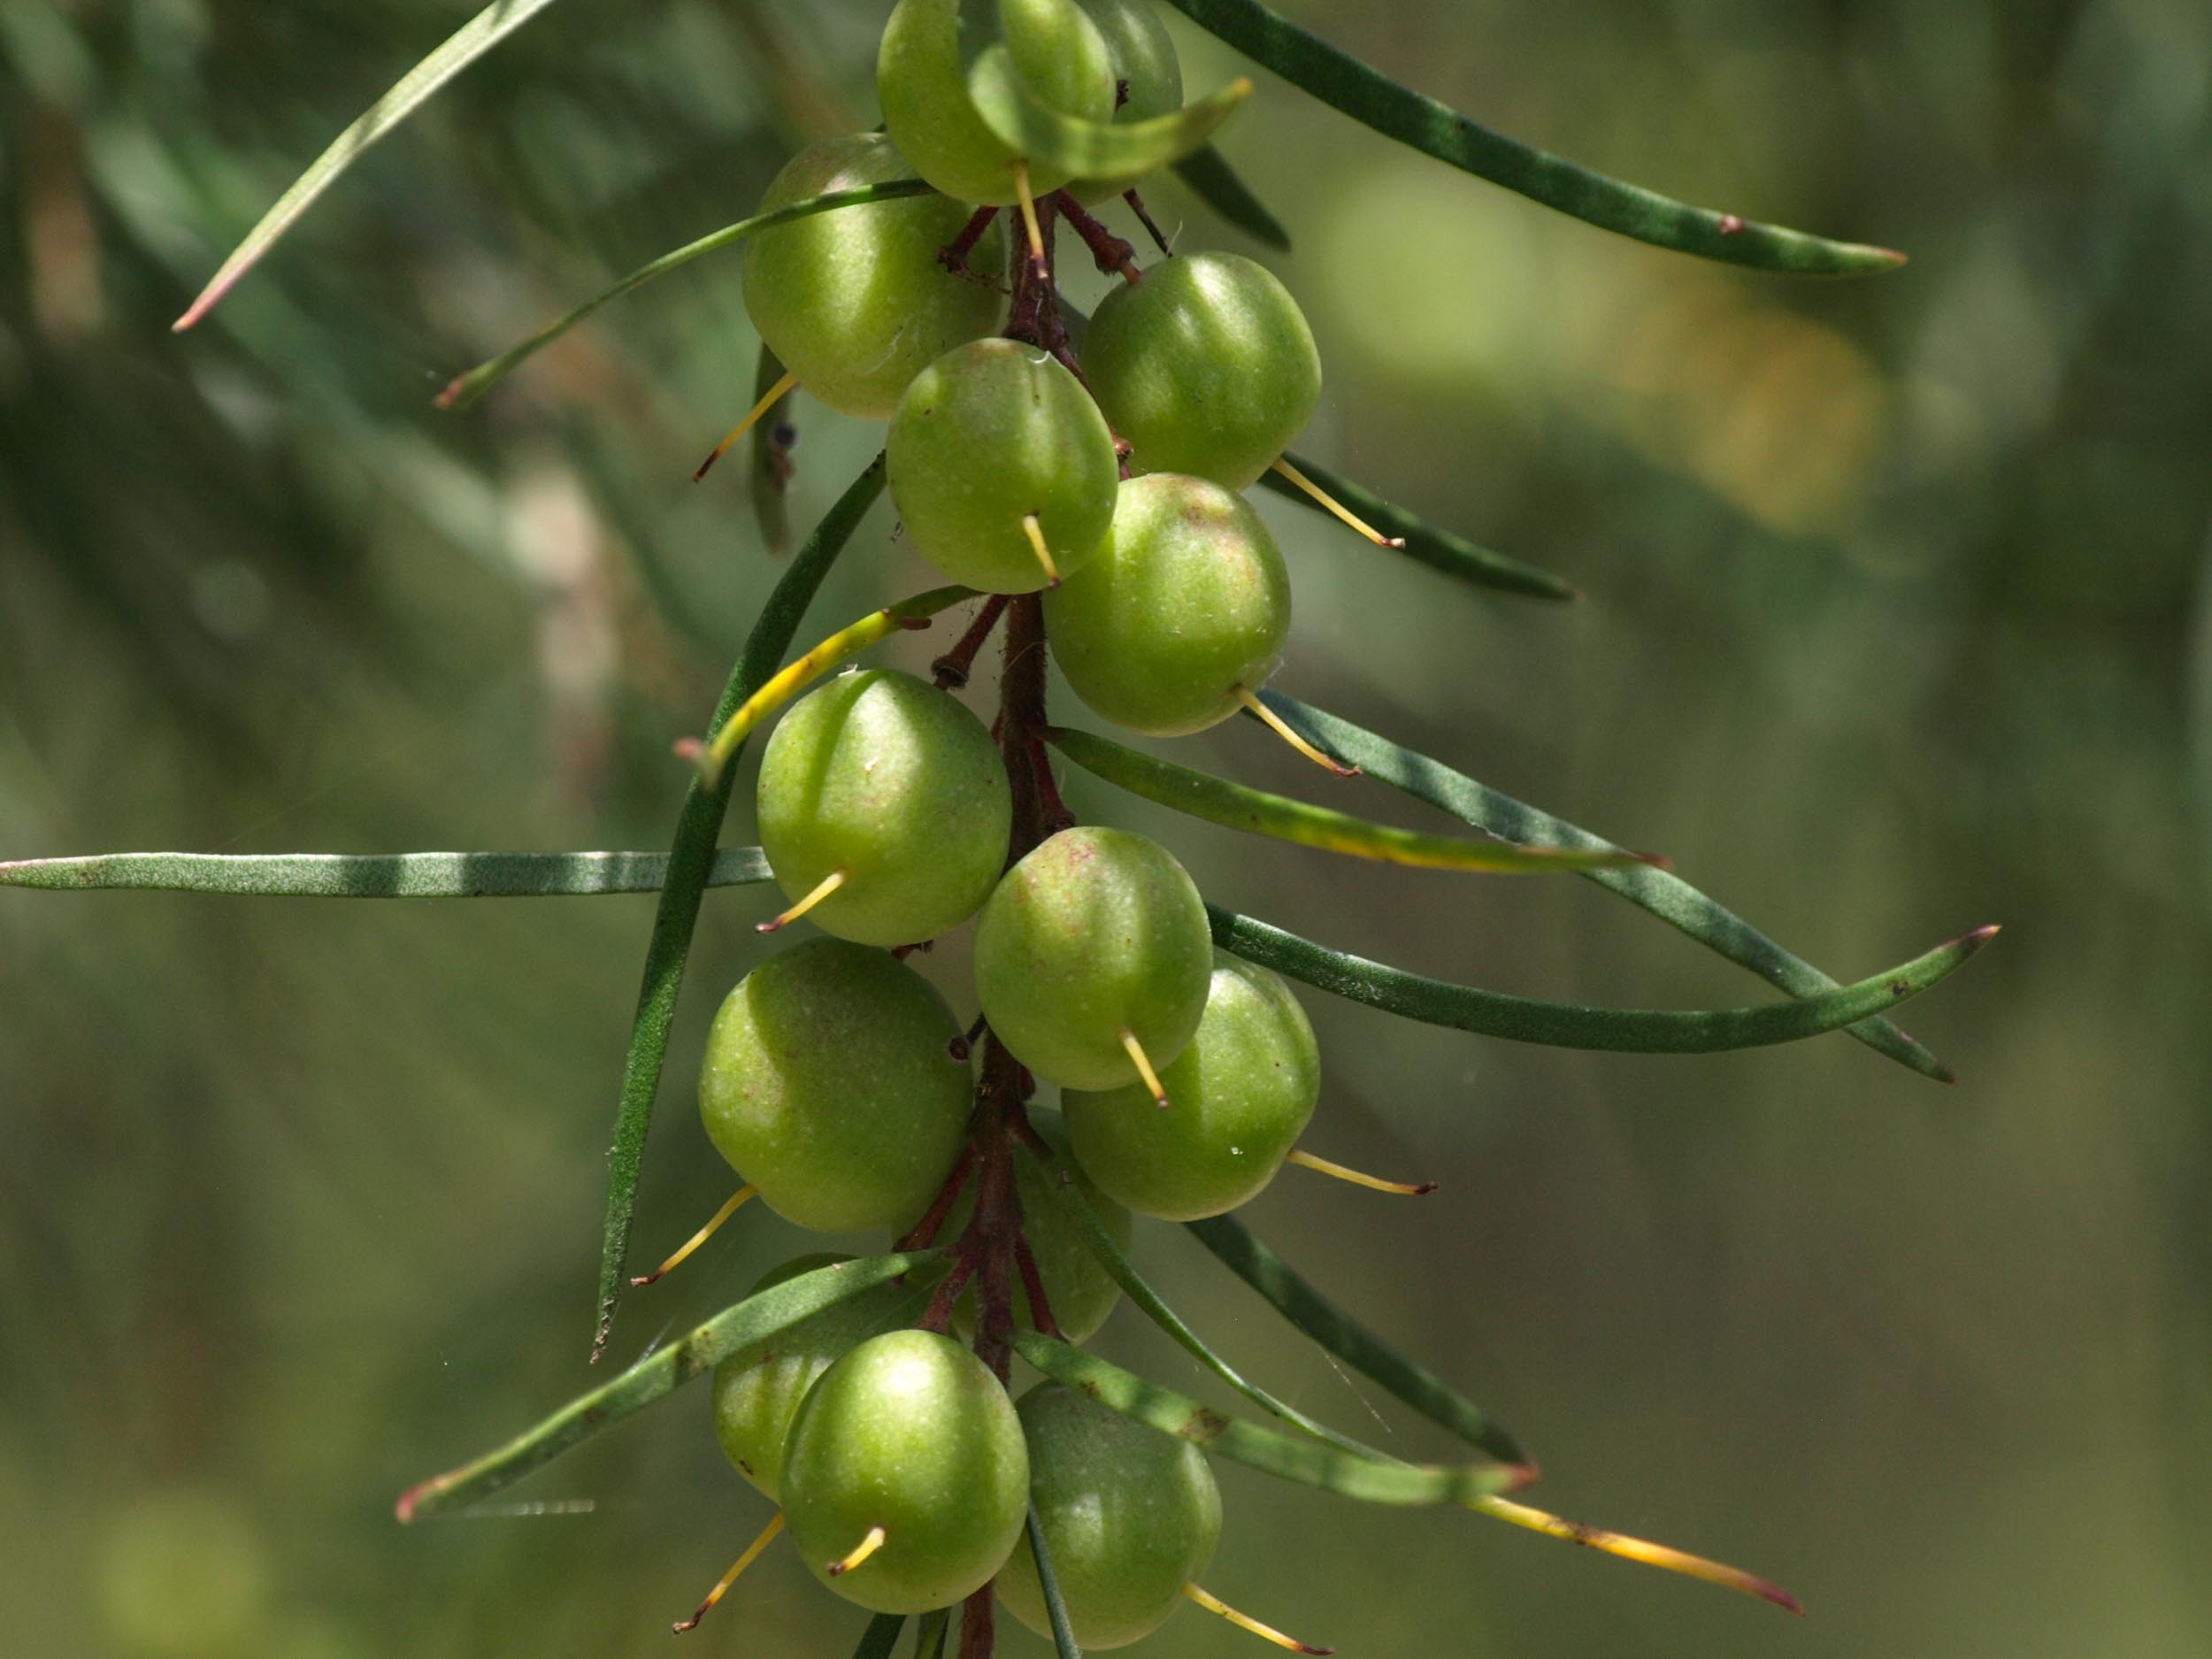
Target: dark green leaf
1255	811
1055	1605
880	1637
464	389
1351	1341
929	1635
1440	549
1366	1476
493	24
656	1376
488	875
1669	897
1154	1308
1219	185
1373	99
690	861
1569	1026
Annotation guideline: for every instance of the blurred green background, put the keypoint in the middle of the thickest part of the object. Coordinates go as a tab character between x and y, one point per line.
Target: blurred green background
1896	623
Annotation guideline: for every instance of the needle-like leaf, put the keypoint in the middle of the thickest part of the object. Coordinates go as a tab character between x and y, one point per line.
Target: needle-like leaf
1373	99
1438	550
690	861
463	389
485	875
493	24
1667	896
1149	1301
1364	1475
656	1376
1055	1604
1570	1025
1298	1302
1221	187
1257	812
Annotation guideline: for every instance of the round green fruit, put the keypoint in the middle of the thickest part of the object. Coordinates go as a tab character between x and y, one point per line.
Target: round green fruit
1205	366
1184	604
830	1085
1145	62
1130	1516
1079	1292
1239	1098
1056	51
893	785
758	1389
991	432
912	1433
853	301
1097	934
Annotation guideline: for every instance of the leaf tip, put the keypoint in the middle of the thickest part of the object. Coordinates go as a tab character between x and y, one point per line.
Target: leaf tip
411	1499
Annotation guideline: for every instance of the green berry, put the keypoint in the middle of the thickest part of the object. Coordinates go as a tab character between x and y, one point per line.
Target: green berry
829	1084
1097	933
1205	366
1130	1516
758	1388
912	1433
1239	1098
1185	604
1144	60
991	432
893	783
1058	53
854	301
1079	1292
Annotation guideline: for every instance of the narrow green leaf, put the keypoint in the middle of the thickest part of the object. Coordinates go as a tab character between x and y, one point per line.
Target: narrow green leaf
1092	150
929	1635
1234	806
656	1377
770	478
1049	1581
463	389
1220	186
1371	98
716	753
880	1637
1081	149
1669	897
1438	550
493	24
690	861
1366	1476
1568	1026
1149	1301
1313	1313
486	875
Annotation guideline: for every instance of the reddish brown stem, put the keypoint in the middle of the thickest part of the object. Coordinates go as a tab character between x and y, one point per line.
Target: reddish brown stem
1034	1287
1114	256
954	255
975	1626
923	1234
954	667
1136	206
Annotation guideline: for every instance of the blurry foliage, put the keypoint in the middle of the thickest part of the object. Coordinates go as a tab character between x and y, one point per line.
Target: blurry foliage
1896	618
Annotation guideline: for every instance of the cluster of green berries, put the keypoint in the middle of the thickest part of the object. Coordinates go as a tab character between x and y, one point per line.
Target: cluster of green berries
837	1081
